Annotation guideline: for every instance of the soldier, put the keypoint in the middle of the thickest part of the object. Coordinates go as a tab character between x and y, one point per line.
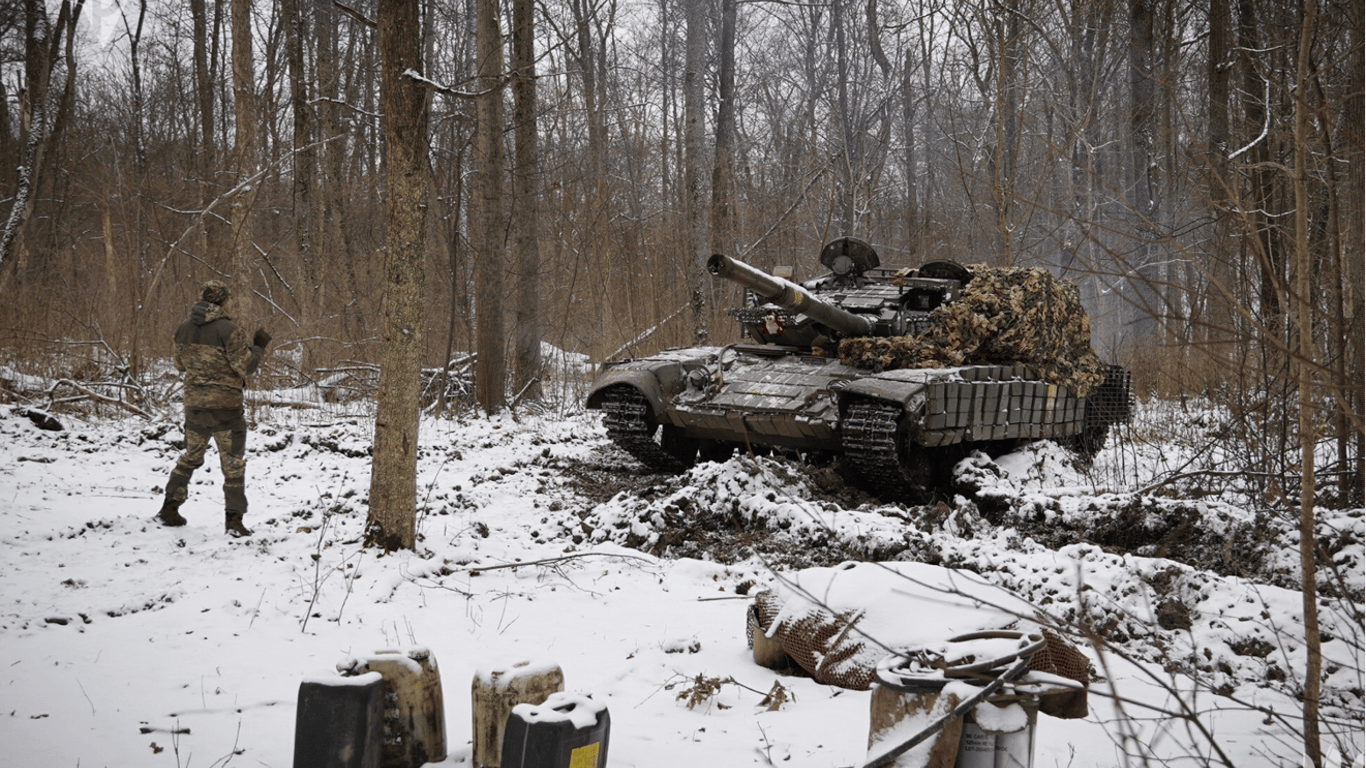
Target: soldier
216	359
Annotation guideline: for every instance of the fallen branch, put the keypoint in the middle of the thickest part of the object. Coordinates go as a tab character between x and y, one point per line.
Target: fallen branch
97	396
304	404
553	560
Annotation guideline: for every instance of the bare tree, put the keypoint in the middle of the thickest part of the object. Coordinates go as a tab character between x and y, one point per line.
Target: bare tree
526	193
1219	71
43	119
1143	187
246	153
1304	366
693	140
203	84
1351	307
723	171
393	476
296	28
490	379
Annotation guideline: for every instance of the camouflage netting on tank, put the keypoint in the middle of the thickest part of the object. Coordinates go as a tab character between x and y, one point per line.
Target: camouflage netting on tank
1005	315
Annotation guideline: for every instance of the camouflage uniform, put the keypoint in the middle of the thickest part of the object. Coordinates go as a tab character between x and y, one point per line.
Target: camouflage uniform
216	358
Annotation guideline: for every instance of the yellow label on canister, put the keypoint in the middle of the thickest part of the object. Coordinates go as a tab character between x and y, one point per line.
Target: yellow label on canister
584	757
1052	396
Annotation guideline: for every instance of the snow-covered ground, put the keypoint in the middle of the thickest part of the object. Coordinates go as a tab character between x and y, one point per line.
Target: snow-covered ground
128	644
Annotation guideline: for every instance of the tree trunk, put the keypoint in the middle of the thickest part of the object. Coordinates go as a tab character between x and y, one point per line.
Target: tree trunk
526	192
40	54
586	56
851	146
1221	296
693	140
1353	210
1145	309
304	155
403	102
723	174
203	85
1009	66
490	372
334	242
244	101
459	307
1304	300
909	171
1261	238
9	156
135	67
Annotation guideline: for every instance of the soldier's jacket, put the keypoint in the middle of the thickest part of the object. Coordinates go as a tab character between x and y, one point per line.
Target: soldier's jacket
215	356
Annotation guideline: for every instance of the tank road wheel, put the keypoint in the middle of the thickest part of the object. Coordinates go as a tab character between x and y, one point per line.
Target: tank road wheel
878	445
679	446
631	424
719	451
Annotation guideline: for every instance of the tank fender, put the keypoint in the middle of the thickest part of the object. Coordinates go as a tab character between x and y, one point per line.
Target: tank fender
910	395
656	384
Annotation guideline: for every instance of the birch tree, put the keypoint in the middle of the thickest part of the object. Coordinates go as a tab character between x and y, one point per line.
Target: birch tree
42	113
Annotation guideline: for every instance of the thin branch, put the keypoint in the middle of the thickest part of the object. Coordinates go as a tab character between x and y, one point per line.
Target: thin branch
553	560
355	14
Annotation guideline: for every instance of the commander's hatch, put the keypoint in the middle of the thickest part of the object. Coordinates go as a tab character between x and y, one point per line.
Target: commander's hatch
932	285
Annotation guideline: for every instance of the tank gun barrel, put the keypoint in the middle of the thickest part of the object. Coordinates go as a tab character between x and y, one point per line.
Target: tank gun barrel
789	296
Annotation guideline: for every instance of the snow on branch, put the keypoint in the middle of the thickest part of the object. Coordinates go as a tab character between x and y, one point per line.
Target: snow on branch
447	90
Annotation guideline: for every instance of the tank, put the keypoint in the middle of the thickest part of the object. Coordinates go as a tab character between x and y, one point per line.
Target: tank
849	366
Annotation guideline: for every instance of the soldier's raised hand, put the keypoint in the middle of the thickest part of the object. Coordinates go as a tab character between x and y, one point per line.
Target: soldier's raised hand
261	339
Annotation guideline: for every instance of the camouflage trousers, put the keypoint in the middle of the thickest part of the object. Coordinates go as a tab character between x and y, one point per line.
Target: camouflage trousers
228	428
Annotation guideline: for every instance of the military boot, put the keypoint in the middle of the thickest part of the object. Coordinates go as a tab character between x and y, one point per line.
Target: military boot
234	527
169	515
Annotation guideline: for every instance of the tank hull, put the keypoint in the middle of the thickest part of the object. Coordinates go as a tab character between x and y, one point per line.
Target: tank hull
773	397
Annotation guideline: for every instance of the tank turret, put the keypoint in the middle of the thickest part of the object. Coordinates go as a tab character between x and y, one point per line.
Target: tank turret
857	297
789	296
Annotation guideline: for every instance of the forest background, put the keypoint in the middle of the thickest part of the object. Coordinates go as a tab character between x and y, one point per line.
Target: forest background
1196	168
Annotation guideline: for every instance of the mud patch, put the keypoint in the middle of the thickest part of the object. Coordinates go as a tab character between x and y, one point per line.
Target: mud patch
786	514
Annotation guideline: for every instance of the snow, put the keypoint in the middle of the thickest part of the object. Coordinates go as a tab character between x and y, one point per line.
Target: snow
129	644
580	712
994	719
335	680
504	675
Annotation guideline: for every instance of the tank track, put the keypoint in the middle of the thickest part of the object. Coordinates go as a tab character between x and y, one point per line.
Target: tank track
870	446
626	414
